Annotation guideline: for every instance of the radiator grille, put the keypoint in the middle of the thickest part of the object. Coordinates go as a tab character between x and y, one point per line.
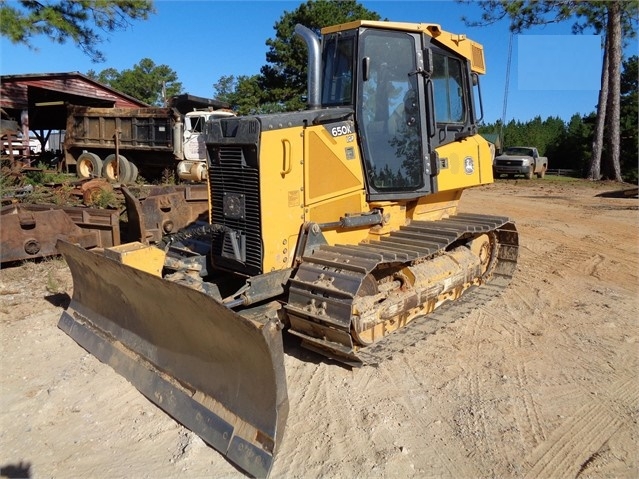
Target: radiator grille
231	175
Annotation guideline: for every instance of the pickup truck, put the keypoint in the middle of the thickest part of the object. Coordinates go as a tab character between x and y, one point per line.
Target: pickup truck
520	160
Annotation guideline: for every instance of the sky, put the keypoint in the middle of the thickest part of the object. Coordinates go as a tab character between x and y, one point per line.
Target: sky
552	72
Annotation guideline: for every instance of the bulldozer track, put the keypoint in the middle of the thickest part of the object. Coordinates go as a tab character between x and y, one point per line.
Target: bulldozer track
332	276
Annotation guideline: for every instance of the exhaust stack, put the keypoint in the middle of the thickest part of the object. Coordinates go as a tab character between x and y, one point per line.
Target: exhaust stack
313	80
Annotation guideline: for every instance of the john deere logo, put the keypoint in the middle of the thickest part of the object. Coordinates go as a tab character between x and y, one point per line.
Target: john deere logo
469	165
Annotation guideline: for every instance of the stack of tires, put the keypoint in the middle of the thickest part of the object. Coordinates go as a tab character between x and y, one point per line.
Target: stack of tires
90	165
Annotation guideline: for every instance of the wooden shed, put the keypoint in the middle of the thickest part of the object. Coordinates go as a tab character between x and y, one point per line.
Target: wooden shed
37	101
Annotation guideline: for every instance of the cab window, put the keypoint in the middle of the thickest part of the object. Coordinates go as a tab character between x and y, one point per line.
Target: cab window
450	104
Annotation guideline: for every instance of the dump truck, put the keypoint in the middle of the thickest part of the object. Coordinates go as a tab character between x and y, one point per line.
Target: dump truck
337	226
120	143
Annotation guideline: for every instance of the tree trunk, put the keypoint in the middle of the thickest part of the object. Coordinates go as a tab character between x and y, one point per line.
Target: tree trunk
600	121
611	167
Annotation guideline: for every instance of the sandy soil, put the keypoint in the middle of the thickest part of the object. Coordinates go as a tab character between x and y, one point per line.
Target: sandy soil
542	382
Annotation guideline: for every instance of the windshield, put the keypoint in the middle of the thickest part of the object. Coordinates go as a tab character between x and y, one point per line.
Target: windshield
518	151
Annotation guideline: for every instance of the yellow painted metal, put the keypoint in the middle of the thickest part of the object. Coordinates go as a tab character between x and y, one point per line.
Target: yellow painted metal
282	195
318	178
139	256
331	210
457	42
464	164
332	165
436	207
395	216
333	182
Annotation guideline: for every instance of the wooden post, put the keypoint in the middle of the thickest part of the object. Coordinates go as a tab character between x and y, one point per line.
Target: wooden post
116	137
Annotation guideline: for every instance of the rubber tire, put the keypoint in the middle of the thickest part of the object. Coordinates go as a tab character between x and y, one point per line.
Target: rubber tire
133	173
529	175
542	174
89	165
108	169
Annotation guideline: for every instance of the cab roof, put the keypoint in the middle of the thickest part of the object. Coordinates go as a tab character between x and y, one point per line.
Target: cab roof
459	43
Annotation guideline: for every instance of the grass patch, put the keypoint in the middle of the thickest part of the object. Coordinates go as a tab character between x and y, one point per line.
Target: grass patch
563	179
45	176
104	199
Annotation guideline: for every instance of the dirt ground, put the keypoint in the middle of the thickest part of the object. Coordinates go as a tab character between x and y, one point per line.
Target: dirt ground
540	383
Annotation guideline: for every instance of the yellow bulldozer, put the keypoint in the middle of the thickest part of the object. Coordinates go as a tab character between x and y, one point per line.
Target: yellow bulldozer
338	225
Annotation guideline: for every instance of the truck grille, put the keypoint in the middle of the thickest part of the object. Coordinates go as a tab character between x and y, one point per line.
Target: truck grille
509	162
236	204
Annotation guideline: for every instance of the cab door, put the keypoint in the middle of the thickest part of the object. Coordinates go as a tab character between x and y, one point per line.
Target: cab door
389	115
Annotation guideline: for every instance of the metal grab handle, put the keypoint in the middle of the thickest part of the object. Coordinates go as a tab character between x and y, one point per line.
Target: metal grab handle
287	164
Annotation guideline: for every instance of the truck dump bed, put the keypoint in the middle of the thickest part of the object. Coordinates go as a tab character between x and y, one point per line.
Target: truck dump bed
138	128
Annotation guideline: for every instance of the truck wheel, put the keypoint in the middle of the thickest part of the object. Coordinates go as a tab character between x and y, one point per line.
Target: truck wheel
541	174
133	173
89	165
529	175
108	170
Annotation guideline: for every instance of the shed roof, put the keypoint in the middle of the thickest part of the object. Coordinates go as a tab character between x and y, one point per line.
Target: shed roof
44	96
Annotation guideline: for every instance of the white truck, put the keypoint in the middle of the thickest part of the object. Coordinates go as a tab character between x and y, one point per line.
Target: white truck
119	143
520	160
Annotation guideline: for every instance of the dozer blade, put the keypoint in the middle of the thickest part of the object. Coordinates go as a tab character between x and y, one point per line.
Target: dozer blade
218	373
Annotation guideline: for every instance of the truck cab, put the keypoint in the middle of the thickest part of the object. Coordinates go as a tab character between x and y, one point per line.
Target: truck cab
192	166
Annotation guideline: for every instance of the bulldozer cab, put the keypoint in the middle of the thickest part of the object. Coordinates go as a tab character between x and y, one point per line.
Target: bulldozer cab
411	94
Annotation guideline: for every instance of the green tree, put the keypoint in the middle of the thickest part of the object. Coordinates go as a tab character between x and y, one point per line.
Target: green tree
616	19
571	147
281	83
75	20
146	81
243	93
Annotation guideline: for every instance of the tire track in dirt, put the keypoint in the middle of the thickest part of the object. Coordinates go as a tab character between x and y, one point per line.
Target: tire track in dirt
319	438
579	438
519	326
432	448
305	391
529	419
480	419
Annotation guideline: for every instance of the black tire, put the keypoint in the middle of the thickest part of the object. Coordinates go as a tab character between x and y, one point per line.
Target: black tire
133	173
529	175
541	174
89	165
108	169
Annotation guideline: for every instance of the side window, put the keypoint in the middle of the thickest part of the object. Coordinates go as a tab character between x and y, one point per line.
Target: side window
450	104
196	124
337	81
